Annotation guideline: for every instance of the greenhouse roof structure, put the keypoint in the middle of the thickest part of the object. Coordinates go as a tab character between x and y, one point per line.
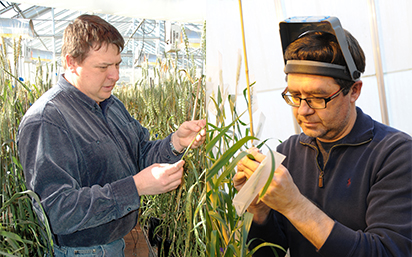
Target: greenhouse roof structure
143	37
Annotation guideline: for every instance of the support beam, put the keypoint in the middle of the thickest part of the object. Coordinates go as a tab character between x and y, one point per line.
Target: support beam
378	61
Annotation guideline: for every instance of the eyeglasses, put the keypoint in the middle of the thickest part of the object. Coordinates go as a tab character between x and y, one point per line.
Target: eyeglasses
313	102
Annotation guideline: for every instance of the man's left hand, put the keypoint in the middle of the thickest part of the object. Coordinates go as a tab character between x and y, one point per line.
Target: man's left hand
187	132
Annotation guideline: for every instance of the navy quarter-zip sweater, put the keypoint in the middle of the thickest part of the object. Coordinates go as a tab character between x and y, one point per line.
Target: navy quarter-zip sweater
367	191
80	158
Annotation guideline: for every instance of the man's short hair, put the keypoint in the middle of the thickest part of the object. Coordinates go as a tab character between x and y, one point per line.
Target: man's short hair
87	32
324	47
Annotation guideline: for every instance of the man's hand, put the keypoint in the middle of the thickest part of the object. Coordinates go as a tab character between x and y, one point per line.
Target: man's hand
159	178
284	196
245	169
187	132
282	193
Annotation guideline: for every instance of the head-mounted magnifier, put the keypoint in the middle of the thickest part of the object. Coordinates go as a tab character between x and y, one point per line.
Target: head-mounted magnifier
294	27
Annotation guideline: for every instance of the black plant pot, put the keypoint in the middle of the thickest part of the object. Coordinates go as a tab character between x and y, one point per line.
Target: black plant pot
155	239
163	248
153	224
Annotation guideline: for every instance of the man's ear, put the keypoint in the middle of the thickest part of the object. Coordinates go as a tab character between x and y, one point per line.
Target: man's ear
71	63
355	91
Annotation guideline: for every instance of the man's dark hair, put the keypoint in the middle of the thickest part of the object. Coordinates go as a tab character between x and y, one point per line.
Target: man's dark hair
323	47
86	32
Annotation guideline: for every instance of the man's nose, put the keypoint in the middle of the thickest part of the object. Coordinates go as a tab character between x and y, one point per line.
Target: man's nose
113	73
304	108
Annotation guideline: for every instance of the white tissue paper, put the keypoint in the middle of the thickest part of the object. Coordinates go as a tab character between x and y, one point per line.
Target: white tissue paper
256	182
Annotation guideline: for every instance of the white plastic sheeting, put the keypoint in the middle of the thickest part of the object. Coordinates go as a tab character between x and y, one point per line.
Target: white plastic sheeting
16	28
265	62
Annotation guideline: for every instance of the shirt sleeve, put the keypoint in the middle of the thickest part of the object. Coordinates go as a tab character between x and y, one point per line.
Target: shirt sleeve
158	151
149	151
52	169
270	231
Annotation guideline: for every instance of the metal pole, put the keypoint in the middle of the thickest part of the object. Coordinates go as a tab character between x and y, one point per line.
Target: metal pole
378	61
134	55
54	67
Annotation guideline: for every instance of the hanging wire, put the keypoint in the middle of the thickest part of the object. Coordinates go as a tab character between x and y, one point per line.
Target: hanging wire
138	26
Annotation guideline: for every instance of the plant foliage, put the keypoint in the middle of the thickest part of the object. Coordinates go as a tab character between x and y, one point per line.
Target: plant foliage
167	95
227	232
21	232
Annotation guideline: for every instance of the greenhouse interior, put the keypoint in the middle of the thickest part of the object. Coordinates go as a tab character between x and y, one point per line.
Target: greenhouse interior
217	60
42	29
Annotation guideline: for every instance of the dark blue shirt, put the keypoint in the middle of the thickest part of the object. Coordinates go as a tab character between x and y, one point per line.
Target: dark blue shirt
79	157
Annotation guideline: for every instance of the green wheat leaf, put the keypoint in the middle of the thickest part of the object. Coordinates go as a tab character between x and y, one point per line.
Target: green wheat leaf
227	156
272	173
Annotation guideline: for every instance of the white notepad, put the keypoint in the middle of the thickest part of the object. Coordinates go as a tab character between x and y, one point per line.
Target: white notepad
256	182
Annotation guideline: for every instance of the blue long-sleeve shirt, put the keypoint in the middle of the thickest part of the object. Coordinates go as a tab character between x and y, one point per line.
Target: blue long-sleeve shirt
367	191
79	157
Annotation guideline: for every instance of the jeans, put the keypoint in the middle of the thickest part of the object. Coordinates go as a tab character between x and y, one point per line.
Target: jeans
115	249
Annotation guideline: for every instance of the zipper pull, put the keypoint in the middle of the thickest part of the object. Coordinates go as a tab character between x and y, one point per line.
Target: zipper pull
321	179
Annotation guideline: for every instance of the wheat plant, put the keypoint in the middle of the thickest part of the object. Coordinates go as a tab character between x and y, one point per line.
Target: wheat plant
21	232
168	94
161	103
226	231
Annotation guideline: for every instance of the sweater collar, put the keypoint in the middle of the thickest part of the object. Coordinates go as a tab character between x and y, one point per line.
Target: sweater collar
362	131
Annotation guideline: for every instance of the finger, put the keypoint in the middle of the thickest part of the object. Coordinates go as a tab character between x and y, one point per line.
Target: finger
174	168
259	156
194	126
179	164
256	153
240	176
248	172
250	164
173	185
201	123
243	169
175	176
199	138
239	179
176	184
203	132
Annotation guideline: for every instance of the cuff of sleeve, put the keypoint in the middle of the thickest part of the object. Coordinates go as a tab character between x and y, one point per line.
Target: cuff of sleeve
340	243
126	195
168	152
269	231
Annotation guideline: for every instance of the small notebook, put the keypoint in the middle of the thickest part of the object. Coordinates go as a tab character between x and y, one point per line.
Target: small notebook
256	182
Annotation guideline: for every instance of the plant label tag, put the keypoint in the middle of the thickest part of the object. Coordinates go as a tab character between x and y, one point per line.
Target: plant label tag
256	182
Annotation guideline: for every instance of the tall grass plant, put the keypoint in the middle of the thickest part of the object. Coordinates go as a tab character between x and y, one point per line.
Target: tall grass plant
21	232
168	94
227	141
161	104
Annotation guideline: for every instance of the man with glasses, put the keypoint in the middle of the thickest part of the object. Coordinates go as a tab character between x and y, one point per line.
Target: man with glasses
345	186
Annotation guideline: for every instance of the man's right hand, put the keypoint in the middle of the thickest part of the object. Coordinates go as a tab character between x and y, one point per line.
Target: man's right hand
159	178
245	169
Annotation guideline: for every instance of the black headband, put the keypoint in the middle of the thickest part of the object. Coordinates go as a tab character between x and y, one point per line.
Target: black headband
317	68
